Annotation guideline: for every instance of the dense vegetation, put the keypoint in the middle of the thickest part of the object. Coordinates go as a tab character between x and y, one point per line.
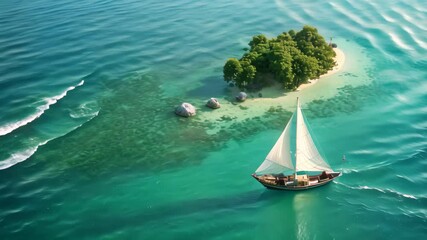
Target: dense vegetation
291	58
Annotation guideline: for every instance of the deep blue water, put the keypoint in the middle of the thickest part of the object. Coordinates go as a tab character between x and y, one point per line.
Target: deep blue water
90	148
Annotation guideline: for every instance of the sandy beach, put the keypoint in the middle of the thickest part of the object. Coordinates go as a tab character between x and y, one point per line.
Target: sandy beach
273	96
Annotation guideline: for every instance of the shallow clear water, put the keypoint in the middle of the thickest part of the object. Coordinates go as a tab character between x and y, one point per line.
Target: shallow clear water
90	147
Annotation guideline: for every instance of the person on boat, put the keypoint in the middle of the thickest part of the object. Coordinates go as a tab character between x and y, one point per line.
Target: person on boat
323	175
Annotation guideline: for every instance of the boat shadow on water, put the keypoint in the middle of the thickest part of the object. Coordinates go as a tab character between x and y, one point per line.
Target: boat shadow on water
293	213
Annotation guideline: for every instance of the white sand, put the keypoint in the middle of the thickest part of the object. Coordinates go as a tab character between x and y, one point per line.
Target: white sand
274	96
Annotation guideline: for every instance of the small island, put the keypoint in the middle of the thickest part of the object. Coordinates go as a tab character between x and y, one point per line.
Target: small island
291	59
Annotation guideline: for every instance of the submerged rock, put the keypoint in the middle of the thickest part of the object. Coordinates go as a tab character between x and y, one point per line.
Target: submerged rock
241	97
213	103
185	110
333	45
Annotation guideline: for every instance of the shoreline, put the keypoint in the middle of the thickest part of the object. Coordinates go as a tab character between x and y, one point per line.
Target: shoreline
273	96
339	62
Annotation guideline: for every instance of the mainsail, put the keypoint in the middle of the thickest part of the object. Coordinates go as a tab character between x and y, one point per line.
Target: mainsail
307	157
279	157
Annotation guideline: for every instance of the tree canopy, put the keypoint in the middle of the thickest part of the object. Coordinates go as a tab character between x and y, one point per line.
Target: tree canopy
292	58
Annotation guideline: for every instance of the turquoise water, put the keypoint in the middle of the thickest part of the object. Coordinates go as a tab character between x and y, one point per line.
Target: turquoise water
90	147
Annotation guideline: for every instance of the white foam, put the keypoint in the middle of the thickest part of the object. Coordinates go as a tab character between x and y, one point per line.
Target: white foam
19	156
387	191
83	115
10	127
370	188
409	196
362	152
348	171
85	110
27	153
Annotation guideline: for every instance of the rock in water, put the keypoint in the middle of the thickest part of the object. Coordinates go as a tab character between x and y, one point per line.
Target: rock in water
185	110
213	103
241	97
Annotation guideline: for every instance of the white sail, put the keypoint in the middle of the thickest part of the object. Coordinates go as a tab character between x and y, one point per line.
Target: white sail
279	157
308	157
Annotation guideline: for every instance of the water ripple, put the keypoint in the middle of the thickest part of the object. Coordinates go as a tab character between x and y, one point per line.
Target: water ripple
46	45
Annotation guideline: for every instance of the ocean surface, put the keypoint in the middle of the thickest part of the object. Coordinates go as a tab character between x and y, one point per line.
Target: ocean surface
90	147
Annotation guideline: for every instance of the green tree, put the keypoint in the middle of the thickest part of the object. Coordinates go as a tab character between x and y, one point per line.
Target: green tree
312	44
232	69
247	76
285	75
304	68
258	39
285	37
250	57
292	58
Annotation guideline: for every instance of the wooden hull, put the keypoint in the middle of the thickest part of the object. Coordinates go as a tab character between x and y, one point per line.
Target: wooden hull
277	185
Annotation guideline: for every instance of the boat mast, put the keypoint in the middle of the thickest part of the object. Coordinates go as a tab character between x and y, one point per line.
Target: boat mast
296	136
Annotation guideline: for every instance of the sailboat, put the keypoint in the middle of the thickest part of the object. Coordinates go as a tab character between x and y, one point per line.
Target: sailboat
294	163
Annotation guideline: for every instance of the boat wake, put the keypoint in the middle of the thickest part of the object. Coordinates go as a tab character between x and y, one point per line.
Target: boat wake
384	191
47	102
349	171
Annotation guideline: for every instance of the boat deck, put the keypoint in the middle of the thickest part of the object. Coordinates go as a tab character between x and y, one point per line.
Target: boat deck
290	183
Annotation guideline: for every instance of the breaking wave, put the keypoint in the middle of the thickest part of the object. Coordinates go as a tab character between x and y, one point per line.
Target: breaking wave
23	155
10	127
20	156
